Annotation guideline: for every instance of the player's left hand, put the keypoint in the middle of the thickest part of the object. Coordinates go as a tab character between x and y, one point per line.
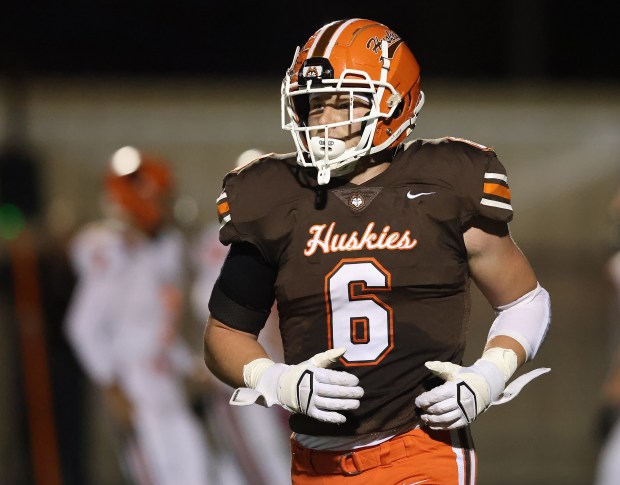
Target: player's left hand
464	396
469	391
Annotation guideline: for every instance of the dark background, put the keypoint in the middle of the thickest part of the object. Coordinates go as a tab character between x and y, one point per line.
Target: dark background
494	40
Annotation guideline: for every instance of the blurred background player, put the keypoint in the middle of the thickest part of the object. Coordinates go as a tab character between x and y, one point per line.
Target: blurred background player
608	467
253	441
123	323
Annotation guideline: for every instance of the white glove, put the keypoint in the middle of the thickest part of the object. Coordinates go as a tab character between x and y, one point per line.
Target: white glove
308	388
456	403
469	391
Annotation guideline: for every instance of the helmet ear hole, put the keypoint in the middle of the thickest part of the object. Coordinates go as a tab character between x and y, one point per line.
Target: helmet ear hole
399	109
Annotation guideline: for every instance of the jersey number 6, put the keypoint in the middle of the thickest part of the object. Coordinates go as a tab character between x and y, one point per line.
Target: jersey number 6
356	318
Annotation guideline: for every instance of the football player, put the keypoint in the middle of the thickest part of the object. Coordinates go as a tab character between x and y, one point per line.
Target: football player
123	323
368	244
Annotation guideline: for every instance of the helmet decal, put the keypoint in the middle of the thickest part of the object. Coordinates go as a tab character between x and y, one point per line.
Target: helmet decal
374	43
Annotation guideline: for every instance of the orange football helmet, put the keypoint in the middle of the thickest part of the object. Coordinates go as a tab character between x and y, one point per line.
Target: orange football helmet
355	57
139	184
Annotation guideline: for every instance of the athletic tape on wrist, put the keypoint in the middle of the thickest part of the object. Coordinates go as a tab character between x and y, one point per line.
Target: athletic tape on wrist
253	371
492	375
504	359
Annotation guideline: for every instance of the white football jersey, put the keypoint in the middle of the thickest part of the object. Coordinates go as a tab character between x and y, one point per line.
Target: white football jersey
118	313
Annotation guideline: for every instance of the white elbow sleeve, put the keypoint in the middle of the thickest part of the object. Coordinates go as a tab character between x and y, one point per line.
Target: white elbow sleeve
526	320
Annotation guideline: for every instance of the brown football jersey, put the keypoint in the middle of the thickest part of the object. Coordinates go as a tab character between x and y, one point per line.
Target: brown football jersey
378	268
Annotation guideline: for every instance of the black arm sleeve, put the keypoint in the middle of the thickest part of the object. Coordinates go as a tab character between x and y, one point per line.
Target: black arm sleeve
244	293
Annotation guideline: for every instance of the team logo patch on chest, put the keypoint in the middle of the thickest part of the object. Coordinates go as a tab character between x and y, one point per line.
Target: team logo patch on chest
357	202
357	199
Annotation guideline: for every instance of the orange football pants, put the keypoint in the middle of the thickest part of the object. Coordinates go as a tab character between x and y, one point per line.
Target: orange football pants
421	456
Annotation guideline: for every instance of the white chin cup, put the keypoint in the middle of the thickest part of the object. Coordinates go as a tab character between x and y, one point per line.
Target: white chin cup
335	148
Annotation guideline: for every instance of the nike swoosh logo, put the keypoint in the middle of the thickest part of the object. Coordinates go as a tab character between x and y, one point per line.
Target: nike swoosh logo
423	481
413	196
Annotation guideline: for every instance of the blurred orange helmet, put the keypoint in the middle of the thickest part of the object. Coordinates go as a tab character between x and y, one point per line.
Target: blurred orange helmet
360	58
139	184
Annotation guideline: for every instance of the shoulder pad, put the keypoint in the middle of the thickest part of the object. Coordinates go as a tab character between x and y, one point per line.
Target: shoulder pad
472	171
256	199
253	161
257	187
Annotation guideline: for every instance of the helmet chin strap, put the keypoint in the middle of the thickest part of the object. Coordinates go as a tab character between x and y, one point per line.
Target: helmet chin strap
325	173
323	176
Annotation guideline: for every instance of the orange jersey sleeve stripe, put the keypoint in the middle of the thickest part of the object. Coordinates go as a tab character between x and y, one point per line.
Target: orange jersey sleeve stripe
497	189
223	208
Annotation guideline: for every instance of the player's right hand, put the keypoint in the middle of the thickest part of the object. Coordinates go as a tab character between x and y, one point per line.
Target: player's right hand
309	387
312	388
